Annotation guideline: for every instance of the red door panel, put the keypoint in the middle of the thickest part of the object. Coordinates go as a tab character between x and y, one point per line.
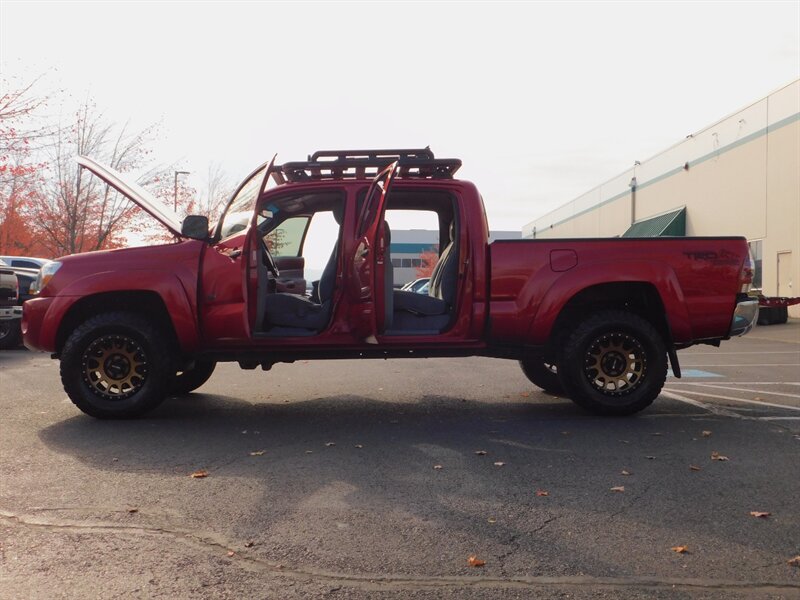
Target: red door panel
367	261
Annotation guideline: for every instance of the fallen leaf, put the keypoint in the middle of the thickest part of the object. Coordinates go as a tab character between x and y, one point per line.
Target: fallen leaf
759	514
329	444
525	394
618	488
231	552
624	472
359	446
199	474
257	453
492	520
133	510
249	544
309	452
542	493
480	452
474	561
650	457
680	549
794	562
694	468
757	398
499	464
706	433
717	456
565	433
437	467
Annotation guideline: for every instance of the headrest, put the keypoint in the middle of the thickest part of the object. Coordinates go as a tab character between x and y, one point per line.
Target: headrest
387	233
338	212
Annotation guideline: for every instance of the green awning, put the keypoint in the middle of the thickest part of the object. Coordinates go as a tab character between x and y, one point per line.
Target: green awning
669	224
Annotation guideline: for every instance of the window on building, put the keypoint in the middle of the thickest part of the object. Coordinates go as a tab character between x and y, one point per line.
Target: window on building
756	250
396	263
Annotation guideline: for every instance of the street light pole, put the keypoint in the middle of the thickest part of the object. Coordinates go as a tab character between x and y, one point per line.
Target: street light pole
175	196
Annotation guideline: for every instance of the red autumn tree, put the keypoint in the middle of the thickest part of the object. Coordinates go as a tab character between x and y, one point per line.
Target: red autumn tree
20	172
76	211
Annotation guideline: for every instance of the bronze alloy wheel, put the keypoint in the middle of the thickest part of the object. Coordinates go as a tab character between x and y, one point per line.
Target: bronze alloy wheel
615	364
114	367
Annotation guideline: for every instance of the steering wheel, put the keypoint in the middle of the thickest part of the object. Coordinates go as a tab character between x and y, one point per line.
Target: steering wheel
269	260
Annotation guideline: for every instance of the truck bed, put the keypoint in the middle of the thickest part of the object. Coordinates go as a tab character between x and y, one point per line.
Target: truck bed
695	278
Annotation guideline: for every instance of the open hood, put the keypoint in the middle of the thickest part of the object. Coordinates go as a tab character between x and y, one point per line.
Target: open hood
135	193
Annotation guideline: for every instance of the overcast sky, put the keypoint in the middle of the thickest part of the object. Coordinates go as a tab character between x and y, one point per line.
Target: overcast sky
542	101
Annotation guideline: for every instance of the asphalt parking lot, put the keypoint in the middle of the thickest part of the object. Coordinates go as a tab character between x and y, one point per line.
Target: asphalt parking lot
379	479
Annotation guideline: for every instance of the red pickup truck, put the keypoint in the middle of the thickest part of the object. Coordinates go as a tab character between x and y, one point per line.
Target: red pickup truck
596	320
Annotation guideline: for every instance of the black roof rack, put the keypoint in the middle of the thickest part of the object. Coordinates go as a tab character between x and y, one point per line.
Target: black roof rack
416	163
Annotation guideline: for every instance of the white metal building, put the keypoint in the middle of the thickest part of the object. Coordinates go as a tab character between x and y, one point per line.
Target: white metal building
739	176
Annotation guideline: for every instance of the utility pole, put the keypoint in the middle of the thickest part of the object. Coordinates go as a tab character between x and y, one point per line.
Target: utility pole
175	196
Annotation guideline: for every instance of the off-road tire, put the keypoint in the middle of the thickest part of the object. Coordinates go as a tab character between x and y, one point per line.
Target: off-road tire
184	382
94	361
613	363
10	333
543	375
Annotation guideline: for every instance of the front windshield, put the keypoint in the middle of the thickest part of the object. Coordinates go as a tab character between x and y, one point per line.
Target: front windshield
242	205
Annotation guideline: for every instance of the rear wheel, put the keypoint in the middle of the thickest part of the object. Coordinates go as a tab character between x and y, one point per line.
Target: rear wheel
543	375
10	334
614	363
116	366
189	380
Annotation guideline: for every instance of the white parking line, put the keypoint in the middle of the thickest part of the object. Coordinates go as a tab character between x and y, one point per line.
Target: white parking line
746	365
742	400
734	389
754	382
748	352
717	410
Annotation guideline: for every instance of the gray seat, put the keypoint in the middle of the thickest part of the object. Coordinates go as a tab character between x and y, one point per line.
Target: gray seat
414	311
298	312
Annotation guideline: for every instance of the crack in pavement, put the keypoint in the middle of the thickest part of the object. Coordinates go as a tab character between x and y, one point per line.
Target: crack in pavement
387	582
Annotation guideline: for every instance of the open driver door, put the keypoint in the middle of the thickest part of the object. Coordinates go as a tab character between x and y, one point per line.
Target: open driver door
369	260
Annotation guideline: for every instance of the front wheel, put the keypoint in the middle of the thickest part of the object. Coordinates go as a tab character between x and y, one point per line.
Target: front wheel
116	365
613	363
543	375
190	379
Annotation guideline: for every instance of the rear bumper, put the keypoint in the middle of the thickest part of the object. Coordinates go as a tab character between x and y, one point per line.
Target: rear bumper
744	316
10	312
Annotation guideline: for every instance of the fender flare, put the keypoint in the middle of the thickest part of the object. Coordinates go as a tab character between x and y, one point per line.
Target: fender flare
168	286
657	274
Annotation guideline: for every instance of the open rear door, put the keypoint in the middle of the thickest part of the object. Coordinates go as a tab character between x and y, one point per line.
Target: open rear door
367	262
255	273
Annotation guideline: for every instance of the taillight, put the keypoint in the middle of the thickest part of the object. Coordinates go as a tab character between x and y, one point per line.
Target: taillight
748	273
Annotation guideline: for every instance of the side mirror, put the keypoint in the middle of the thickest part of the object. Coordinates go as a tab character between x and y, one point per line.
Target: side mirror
195	227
